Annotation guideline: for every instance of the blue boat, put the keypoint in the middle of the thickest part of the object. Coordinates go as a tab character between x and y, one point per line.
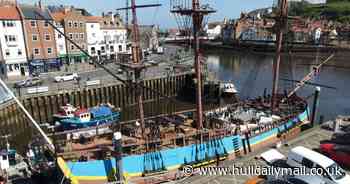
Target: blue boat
96	116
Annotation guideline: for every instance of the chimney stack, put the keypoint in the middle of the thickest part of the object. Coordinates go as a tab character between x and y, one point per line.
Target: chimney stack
40	6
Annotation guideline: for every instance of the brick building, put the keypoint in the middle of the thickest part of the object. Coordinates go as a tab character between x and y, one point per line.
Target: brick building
74	23
39	39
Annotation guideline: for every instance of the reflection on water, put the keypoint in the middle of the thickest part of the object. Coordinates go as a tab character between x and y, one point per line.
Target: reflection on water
252	73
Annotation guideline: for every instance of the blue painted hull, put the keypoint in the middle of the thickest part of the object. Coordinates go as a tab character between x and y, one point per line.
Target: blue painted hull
136	165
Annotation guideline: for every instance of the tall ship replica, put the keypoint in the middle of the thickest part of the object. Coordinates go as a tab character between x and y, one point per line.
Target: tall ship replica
155	149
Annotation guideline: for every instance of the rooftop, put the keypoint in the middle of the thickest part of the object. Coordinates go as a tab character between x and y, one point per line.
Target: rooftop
9	12
30	12
58	16
93	19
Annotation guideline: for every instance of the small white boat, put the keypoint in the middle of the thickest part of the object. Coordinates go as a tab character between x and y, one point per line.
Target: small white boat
228	88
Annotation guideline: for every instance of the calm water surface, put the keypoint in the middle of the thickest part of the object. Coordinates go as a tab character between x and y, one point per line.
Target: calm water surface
252	73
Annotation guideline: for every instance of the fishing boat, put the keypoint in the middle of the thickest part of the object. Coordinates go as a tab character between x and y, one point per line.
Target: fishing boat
84	118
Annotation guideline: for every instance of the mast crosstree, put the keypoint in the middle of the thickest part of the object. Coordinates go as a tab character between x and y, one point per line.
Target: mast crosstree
197	12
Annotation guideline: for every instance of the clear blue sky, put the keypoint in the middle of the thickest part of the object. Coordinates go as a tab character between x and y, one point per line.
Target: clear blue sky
161	15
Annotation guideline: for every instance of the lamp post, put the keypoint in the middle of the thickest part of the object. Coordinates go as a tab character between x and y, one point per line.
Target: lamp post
117	144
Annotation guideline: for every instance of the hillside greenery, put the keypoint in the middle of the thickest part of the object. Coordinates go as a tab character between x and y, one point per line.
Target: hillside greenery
336	10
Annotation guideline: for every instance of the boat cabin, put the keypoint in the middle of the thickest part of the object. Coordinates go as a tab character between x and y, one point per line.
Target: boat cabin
83	115
67	110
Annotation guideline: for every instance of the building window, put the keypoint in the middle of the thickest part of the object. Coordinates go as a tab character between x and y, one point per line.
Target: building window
10	67
59	35
81	24
10	38
8	24
83	46
102	49
75	24
34	37
46	24
60	47
19	52
36	51
112	48
93	51
92	26
33	23
49	50
81	35
93	34
7	52
47	37
120	48
70	24
77	36
72	47
71	36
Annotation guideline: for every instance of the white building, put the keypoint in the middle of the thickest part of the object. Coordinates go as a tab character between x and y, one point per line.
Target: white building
94	35
60	39
14	57
106	36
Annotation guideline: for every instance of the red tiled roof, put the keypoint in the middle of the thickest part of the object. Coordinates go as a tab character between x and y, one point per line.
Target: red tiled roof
8	12
93	18
58	16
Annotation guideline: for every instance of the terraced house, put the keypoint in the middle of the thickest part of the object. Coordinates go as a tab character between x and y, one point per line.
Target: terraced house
60	39
39	38
74	23
13	58
106	36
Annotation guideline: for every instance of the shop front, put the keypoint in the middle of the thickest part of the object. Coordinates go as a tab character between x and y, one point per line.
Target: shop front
44	66
77	58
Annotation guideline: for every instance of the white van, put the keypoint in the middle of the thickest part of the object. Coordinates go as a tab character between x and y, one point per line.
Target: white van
301	156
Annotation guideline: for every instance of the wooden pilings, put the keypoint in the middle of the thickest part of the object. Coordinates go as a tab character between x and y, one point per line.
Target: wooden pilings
42	107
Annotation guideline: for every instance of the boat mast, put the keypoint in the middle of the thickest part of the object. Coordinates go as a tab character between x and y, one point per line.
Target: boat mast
136	58
196	12
136	65
281	21
197	23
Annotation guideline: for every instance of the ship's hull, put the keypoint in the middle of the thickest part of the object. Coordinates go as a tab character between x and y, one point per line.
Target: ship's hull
174	158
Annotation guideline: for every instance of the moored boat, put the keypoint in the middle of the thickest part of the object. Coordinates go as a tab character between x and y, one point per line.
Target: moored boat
228	89
84	118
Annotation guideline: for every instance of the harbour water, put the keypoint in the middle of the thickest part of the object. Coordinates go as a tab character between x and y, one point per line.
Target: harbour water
252	73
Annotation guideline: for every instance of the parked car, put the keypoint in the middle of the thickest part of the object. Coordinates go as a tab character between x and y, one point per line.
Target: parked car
255	180
339	153
304	157
67	77
34	81
307	179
